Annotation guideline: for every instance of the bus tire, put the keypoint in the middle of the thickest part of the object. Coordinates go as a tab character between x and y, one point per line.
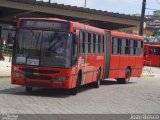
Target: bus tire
127	76
119	80
74	90
28	89
97	83
126	79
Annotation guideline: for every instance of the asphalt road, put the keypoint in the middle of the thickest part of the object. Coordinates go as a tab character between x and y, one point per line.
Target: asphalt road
142	95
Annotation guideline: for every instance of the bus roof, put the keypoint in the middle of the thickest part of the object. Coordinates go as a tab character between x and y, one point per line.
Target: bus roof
82	26
122	34
152	44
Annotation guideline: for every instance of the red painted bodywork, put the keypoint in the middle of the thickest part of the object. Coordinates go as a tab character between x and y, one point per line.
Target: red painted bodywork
119	63
87	63
92	63
151	59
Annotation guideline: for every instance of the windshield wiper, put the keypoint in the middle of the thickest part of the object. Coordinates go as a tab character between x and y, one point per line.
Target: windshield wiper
53	40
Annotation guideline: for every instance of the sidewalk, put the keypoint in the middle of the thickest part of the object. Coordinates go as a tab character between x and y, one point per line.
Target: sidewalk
151	71
5	68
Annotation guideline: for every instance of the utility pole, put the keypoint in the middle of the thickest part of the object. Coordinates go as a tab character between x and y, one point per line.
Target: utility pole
142	17
85	4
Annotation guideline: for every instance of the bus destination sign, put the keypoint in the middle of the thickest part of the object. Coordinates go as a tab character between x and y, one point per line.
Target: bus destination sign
58	25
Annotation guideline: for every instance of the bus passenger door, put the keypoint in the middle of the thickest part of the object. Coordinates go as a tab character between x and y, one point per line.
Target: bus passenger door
107	54
74	58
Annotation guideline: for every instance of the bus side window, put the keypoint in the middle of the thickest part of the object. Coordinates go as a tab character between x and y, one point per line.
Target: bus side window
82	42
150	50
89	42
135	47
155	51
115	45
86	42
94	43
99	44
127	50
139	48
102	44
131	47
123	46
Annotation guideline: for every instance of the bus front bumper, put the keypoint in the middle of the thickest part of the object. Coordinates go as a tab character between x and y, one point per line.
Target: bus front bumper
41	83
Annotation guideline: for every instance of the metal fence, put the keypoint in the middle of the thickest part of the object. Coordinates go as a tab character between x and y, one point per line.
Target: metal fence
148	69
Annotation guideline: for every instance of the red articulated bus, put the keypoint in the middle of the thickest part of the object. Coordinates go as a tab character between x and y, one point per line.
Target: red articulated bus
55	53
152	54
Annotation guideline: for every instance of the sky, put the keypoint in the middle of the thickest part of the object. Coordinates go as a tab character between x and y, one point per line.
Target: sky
120	6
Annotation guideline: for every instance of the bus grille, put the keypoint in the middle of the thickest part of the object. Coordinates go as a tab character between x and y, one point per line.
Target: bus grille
33	70
39	77
38	84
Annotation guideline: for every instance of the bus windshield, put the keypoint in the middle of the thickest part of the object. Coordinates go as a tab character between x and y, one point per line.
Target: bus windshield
43	48
154	50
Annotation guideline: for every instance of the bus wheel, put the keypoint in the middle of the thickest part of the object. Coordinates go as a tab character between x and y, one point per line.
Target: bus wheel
97	83
28	89
127	77
119	80
74	91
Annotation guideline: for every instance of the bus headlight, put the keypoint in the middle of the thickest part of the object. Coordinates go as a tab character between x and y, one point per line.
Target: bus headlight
60	78
18	75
